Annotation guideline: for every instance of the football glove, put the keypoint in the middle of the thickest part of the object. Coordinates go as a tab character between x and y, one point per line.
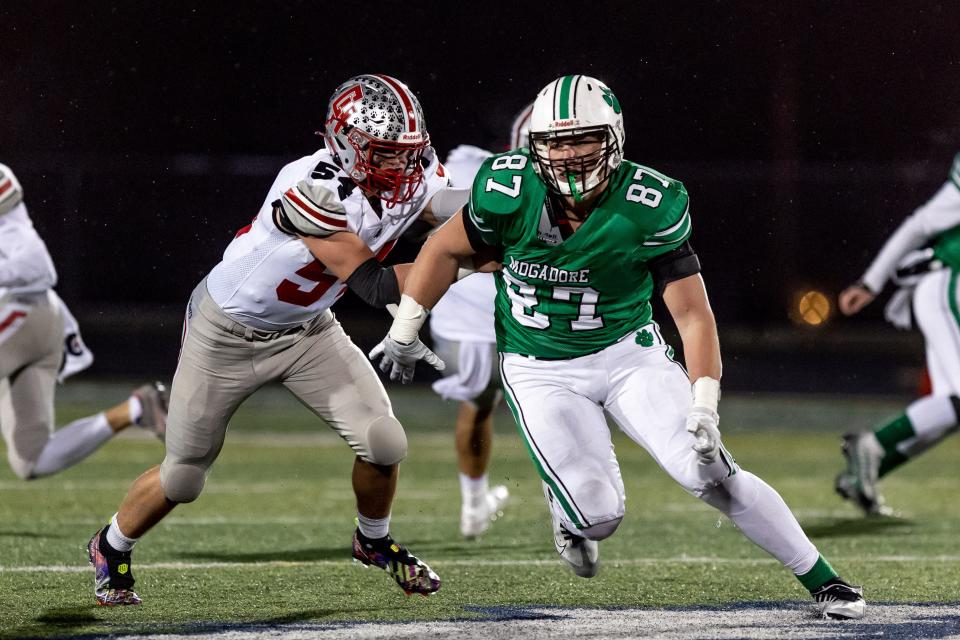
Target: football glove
399	360
703	424
703	421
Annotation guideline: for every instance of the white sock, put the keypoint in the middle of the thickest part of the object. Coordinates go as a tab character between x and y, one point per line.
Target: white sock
473	490
72	443
116	539
762	515
373	528
135	407
933	418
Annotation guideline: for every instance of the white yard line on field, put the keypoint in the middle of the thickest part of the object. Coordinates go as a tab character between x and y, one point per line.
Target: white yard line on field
62	568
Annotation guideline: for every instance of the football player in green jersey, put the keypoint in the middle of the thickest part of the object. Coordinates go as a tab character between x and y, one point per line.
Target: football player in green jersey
583	239
923	257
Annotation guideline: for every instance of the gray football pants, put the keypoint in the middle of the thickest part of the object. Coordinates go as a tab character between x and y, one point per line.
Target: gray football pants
29	361
222	362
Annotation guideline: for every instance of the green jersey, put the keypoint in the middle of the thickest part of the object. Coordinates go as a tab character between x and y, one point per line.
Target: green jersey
946	247
563	298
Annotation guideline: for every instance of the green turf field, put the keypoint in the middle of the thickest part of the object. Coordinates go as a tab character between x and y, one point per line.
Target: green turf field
268	541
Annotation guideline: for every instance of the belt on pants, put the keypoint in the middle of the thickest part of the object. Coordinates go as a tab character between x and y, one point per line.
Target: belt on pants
258	335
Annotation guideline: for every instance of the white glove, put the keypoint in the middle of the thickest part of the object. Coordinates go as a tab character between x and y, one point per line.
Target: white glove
399	359
703	423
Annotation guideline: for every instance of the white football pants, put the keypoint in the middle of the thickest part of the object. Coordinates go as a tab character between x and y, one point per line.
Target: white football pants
559	408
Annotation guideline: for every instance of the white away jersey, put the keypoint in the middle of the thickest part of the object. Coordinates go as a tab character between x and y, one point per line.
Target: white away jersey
25	263
270	280
465	312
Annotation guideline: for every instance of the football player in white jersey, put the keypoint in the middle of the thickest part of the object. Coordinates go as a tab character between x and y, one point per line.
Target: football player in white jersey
34	353
461	325
263	315
923	257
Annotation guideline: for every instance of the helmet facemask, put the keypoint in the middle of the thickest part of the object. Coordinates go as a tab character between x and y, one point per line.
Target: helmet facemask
579	174
391	170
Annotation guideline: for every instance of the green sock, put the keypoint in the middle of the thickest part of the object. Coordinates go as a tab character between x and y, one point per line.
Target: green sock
818	575
889	436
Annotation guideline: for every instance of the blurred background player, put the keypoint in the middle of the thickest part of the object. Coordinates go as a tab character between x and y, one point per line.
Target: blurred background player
39	343
263	315
461	325
923	257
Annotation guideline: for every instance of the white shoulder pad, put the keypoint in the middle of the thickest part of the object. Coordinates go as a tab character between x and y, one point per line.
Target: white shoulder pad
463	163
313	209
10	191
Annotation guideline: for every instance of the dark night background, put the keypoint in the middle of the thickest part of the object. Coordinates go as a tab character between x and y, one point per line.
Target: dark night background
145	134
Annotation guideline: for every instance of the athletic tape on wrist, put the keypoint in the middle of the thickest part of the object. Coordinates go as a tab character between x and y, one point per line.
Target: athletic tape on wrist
410	317
706	393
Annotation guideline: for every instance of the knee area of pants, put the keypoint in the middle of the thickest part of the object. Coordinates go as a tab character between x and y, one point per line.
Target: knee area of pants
734	495
602	530
487	401
386	441
598	498
182	482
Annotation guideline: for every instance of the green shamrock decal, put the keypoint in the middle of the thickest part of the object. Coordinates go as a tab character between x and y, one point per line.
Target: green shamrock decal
611	99
644	338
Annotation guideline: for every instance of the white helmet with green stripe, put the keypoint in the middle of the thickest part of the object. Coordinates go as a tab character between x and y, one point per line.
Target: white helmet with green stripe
573	107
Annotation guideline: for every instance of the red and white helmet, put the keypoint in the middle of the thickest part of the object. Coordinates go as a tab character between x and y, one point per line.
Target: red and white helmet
376	132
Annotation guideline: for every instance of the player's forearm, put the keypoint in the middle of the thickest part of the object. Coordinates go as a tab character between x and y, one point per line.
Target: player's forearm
701	345
434	270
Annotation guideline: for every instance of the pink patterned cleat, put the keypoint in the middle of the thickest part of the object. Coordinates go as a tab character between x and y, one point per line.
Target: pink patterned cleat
413	575
113	578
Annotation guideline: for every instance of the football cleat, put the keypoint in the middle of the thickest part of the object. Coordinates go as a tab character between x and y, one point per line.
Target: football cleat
859	483
154	399
408	571
581	554
839	600
474	520
113	577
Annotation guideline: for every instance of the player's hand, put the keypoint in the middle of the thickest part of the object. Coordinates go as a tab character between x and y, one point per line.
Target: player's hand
399	360
704	425
854	298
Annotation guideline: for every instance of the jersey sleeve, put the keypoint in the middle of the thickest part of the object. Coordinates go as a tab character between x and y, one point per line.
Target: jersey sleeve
938	215
496	196
11	193
674	225
311	209
435	175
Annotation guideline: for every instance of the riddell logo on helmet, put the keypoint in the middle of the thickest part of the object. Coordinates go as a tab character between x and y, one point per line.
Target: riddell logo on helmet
411	136
565	123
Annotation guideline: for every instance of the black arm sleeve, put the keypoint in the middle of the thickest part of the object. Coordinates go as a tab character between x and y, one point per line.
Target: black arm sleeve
376	285
674	265
473	234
